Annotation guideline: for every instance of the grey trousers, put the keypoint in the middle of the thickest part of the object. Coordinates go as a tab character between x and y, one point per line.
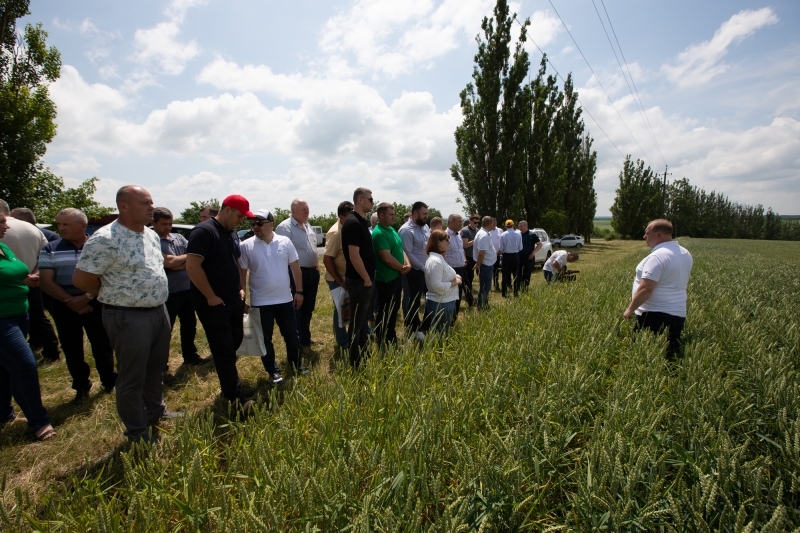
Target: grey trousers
141	343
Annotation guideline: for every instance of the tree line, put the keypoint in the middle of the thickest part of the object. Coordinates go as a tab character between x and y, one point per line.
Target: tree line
521	150
27	115
643	196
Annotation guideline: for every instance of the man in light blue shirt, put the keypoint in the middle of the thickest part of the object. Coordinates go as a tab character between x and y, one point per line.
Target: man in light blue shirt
415	234
510	246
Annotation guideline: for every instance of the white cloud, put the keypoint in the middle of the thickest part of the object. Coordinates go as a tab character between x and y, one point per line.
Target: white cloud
160	44
397	37
77	166
543	29
701	62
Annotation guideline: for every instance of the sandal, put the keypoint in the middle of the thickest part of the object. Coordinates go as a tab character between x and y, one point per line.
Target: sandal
45	433
15	420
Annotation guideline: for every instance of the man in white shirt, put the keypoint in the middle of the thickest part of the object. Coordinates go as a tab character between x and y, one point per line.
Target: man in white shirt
496	234
485	256
510	247
299	231
659	289
269	257
556	265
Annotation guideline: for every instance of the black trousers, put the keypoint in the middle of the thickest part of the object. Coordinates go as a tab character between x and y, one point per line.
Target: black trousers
70	327
389	294
657	323
525	270
417	290
464	290
510	272
303	315
496	270
225	332
360	304
179	305
42	334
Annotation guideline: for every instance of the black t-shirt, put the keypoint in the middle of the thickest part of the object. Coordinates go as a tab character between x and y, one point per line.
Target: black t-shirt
529	241
355	232
219	251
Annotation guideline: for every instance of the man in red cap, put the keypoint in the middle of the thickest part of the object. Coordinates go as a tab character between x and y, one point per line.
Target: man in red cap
212	264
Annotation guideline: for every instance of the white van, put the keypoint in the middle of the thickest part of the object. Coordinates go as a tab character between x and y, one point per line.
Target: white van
320	235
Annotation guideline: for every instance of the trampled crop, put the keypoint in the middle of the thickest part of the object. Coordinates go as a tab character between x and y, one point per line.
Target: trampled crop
544	414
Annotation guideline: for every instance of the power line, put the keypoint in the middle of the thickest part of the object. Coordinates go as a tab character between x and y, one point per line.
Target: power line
598	81
633	82
578	99
639	105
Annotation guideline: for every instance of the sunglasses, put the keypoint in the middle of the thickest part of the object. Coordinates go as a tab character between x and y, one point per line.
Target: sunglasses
259	223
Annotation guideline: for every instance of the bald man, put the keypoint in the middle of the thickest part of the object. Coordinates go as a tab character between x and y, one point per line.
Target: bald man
123	267
298	230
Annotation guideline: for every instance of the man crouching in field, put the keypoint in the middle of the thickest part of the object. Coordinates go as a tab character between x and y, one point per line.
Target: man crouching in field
659	288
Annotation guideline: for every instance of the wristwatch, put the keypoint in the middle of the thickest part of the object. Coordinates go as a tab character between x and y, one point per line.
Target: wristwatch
89	296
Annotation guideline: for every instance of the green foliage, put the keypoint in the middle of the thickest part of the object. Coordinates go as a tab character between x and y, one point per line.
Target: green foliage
27	114
324	221
555	222
51	197
191	215
640	199
281	215
521	149
592	430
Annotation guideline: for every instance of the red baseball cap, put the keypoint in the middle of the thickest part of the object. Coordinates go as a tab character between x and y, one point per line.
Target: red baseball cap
239	203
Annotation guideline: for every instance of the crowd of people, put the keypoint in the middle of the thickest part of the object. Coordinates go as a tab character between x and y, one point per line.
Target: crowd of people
132	280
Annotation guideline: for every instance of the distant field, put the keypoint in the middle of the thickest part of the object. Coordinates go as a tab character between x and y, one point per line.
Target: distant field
603	223
544	413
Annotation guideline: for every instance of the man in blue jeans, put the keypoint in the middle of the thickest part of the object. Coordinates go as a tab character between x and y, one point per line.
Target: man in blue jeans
269	257
485	256
335	266
360	272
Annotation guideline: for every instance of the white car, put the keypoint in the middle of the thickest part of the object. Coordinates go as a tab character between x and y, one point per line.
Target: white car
546	250
320	235
568	241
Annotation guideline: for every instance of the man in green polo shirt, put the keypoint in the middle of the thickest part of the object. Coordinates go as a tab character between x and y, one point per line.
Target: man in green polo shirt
391	262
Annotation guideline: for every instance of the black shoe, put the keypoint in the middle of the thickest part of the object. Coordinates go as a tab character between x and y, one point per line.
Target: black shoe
197	361
81	397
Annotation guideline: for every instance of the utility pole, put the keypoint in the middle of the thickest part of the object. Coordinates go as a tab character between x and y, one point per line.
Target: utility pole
664	192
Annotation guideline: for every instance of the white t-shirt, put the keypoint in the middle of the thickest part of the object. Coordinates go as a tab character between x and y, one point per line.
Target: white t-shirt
25	240
497	236
483	241
669	265
269	269
559	257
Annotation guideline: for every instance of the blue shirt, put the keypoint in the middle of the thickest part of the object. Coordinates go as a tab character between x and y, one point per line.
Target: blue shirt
178	280
61	256
510	242
415	239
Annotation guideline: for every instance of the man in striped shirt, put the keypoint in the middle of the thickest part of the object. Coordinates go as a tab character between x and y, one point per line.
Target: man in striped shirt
75	311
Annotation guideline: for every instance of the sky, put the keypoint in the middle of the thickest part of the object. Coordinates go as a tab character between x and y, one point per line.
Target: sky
195	99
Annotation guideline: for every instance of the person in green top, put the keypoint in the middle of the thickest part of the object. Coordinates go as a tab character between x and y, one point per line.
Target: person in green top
390	264
19	377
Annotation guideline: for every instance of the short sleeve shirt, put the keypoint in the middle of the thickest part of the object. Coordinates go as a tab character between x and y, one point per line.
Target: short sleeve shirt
178	279
386	238
483	243
130	266
559	257
268	263
355	232
25	240
220	253
333	248
61	256
304	240
529	240
13	291
455	252
670	266
511	242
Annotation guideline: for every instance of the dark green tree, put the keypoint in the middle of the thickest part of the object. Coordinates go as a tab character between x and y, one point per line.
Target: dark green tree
191	215
488	142
639	199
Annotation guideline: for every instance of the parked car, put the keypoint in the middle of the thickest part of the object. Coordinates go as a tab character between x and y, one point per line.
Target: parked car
320	235
568	241
183	229
546	250
244	234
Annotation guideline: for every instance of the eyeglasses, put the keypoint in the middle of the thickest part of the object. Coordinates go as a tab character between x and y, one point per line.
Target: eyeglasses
370	200
259	223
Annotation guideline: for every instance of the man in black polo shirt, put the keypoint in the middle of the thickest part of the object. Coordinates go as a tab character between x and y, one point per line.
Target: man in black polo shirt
360	271
212	264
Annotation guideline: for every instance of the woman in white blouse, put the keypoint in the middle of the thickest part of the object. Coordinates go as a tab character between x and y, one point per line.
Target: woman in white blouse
442	282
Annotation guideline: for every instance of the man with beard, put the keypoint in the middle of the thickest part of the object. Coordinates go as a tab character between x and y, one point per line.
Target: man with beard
415	234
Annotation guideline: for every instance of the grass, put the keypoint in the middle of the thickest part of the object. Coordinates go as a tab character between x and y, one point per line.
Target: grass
603	223
545	414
